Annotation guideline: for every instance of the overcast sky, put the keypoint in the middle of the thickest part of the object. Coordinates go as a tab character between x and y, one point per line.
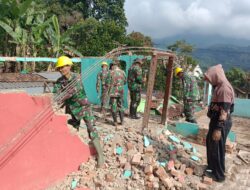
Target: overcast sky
165	18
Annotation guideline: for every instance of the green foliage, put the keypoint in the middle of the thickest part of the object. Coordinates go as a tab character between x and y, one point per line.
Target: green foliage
237	77
138	39
71	27
185	60
95	38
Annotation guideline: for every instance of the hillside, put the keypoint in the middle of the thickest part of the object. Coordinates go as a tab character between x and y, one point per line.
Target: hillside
228	55
213	49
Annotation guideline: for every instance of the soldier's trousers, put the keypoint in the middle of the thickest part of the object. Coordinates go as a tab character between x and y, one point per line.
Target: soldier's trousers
216	149
116	104
104	99
189	108
87	115
135	97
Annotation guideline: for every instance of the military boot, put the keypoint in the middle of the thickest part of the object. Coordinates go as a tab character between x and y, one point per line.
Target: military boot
121	114
103	112
134	116
100	157
75	123
114	119
130	111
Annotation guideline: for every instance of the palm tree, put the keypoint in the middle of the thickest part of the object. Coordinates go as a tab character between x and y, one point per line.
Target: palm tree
59	43
11	21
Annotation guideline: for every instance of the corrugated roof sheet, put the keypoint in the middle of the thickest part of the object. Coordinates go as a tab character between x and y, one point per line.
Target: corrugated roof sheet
18	77
17	85
52	76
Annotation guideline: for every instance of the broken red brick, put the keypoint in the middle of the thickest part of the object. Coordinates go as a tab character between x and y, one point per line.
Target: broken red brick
122	161
201	186
151	177
177	165
189	171
183	168
149	185
141	148
175	173
167	182
109	178
161	173
147	159
136	159
127	166
170	165
148	170
91	174
149	149
161	137
129	146
207	180
181	178
156	185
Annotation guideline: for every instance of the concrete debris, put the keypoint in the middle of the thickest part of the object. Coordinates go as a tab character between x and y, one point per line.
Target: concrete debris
141	161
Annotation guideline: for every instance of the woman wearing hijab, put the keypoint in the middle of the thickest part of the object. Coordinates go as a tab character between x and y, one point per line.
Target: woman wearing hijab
219	112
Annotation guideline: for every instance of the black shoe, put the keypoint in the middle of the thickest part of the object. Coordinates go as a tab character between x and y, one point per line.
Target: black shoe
209	174
121	114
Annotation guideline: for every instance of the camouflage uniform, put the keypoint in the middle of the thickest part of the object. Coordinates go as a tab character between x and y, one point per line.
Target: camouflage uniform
190	96
77	102
135	82
102	82
116	80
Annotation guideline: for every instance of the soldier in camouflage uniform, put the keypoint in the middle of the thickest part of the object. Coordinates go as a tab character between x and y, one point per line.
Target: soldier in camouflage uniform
102	82
135	82
116	80
76	100
191	94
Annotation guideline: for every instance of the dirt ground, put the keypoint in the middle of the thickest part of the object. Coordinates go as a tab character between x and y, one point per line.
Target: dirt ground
237	171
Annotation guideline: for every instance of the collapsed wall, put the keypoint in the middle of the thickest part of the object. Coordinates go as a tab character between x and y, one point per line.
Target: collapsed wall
36	146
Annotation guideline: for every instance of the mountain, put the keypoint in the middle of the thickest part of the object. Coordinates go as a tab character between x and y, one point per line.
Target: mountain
227	55
200	41
211	50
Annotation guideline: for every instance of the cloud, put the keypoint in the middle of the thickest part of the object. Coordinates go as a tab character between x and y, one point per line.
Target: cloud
165	18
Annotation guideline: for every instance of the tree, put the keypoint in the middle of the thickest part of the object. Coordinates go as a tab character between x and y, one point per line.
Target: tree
237	77
184	60
183	51
95	38
59	43
108	10
138	39
12	21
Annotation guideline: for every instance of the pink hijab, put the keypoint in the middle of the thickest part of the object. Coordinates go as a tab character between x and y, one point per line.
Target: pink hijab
223	89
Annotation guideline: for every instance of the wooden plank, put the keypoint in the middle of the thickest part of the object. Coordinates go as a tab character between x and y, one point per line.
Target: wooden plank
167	90
150	87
